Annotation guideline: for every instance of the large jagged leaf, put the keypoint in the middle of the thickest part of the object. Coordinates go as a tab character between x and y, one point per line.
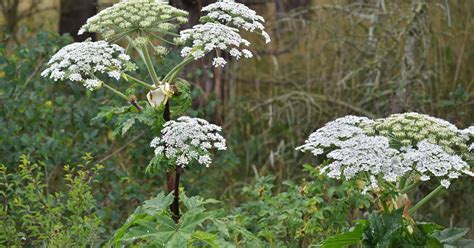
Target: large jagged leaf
158	204
207	238
352	237
450	234
385	229
464	243
191	220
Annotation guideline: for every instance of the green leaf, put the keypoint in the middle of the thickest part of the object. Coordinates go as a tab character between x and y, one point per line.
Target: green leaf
158	204
450	234
208	238
352	237
181	102
192	220
127	125
467	243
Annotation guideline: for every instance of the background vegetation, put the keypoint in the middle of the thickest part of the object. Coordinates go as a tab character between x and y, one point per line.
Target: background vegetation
327	59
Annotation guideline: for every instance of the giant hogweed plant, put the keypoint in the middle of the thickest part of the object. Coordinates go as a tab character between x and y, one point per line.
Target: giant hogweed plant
150	29
389	158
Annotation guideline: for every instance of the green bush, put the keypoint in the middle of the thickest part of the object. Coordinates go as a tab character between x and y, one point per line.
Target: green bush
34	216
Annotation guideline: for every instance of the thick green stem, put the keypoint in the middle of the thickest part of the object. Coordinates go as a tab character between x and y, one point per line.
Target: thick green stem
118	93
174	72
426	199
138	81
149	65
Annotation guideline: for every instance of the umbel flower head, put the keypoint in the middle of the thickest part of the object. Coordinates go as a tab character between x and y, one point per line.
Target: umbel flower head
188	140
220	31
133	17
237	15
377	150
83	61
214	36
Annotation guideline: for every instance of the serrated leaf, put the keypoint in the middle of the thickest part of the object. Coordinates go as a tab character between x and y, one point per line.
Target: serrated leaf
450	234
127	125
208	238
352	237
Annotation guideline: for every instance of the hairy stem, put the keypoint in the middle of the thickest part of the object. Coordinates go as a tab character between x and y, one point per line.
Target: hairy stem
172	177
149	65
138	81
116	92
171	76
131	100
426	199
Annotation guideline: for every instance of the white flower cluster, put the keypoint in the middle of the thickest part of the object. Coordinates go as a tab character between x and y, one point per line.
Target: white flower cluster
334	133
431	159
187	140
81	61
235	15
469	134
134	17
360	146
219	31
214	36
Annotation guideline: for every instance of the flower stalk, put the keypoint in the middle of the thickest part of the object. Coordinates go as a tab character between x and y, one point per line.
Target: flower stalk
149	65
116	92
138	81
427	198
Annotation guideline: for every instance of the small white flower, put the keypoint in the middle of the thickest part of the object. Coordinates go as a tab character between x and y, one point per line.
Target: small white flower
92	84
445	183
219	62
115	74
425	178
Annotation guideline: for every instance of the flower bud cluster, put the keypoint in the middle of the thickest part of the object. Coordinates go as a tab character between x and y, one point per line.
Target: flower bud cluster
82	61
236	15
188	140
390	148
408	129
134	17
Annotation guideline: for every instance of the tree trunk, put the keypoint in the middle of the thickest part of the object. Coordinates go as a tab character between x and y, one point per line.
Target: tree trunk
74	14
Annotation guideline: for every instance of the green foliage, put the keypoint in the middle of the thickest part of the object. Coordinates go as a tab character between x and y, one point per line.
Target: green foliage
351	237
394	230
47	120
181	102
302	214
128	116
151	225
34	216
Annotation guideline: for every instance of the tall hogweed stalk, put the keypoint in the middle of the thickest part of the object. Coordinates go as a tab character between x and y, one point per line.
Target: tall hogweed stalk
151	28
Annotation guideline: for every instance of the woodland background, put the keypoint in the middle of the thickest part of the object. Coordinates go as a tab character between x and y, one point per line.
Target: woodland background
327	58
